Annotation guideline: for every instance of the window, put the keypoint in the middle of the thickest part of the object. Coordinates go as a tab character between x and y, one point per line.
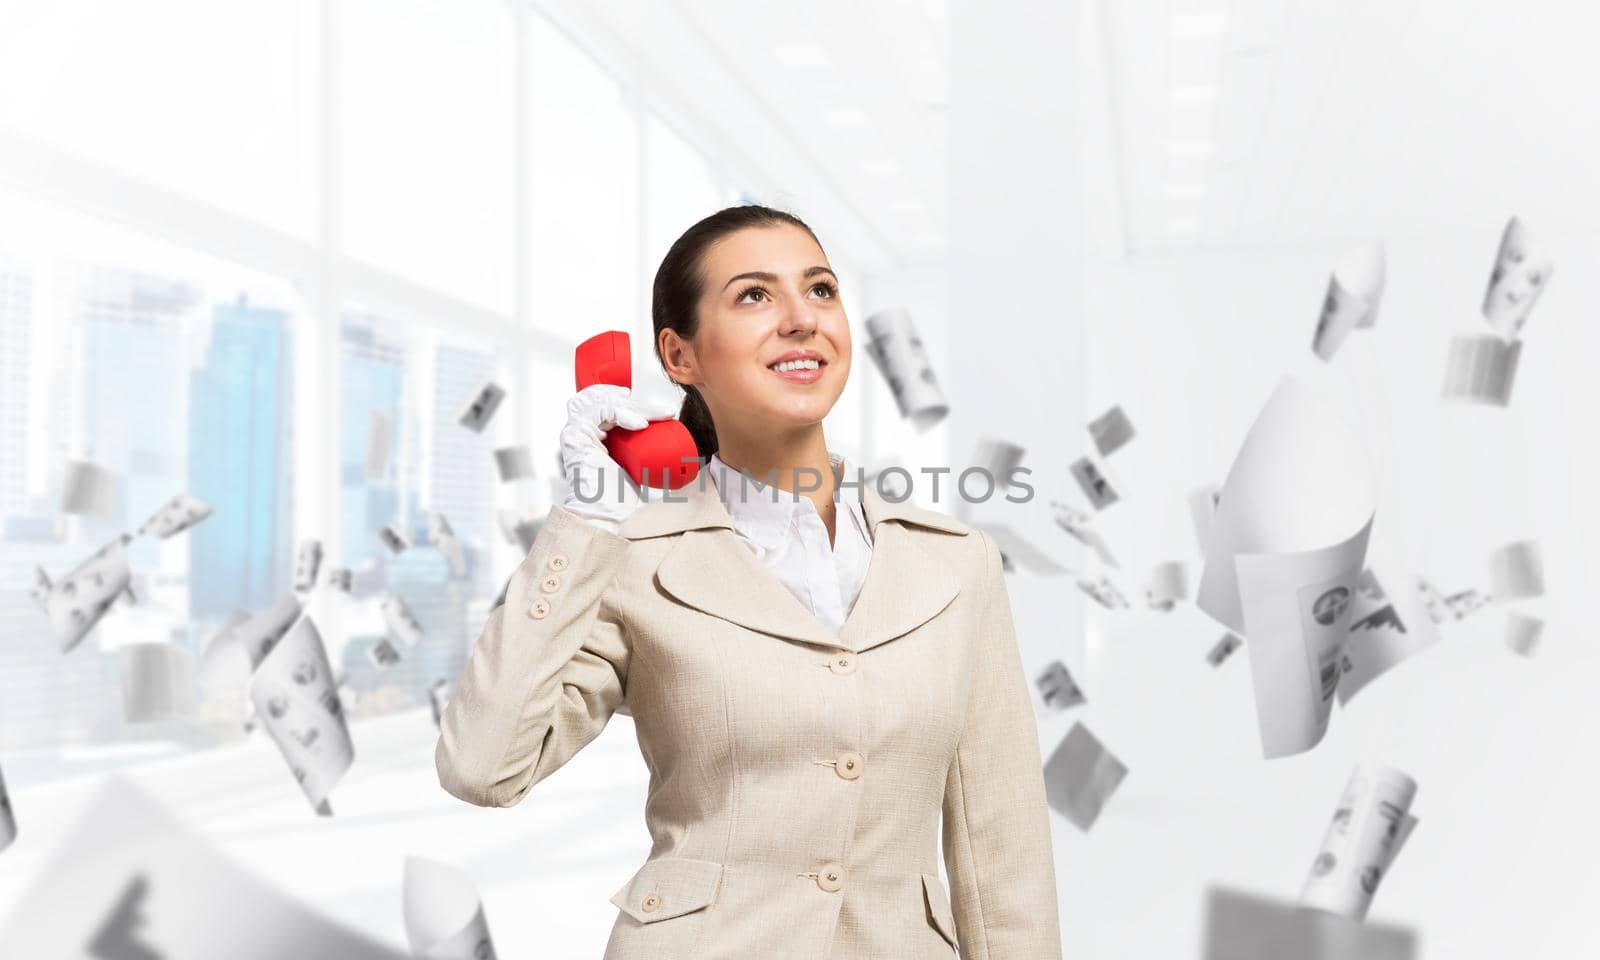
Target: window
221	108
410	385
583	262
173	371
427	140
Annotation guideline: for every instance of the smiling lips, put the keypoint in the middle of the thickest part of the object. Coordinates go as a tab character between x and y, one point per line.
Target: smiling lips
806	367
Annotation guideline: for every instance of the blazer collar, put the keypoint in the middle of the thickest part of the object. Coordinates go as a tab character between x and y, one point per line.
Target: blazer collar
712	569
698	506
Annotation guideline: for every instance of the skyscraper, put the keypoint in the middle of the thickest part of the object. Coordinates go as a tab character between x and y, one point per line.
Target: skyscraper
241	462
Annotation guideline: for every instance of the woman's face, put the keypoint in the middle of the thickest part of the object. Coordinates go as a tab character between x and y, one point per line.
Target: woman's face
769	293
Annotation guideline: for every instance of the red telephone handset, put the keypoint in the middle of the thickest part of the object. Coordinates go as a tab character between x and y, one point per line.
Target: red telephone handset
654	456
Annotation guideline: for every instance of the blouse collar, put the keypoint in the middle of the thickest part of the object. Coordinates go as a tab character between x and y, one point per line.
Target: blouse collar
765	509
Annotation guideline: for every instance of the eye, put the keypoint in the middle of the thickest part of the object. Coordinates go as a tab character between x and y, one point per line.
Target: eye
749	290
831	289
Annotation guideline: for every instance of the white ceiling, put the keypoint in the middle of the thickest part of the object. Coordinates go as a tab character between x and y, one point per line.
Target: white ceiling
1270	121
832	108
1204	122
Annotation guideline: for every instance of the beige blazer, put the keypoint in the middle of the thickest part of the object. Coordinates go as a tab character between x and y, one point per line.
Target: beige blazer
797	777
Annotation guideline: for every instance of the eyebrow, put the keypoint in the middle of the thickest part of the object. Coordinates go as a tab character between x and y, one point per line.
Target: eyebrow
773	277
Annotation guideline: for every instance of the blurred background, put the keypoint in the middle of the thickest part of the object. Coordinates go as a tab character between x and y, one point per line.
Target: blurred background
231	233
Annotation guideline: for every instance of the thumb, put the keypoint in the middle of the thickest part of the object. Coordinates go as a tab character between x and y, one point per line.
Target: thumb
656	404
630	419
661	408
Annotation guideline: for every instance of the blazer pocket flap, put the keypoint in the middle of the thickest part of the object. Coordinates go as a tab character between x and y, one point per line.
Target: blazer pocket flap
669	887
939	907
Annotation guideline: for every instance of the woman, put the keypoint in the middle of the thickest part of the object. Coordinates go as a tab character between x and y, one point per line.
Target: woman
815	675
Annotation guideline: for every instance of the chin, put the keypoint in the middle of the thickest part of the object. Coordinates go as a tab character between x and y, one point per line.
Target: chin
802	414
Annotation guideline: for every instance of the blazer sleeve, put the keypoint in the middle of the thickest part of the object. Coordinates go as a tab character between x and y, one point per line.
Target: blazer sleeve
996	832
536	689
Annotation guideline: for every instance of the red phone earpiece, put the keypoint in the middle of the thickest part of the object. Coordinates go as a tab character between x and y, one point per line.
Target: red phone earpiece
654	456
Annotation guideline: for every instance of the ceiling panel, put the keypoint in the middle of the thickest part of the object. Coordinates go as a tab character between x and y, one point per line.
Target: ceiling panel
1354	119
832	107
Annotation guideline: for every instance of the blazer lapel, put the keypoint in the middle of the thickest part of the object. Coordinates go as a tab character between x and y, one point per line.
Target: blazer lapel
713	570
905	587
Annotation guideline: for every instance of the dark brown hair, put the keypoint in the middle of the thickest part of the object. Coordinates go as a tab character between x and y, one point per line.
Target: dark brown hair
680	280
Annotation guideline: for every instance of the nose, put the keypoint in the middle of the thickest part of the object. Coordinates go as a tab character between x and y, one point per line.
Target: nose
797	319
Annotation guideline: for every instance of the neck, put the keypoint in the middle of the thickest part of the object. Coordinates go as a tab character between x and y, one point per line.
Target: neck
789	461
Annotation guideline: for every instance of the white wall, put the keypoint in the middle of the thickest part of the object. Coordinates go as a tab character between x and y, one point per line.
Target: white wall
1503	748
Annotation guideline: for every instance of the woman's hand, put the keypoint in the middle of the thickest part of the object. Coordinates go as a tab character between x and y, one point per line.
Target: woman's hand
586	466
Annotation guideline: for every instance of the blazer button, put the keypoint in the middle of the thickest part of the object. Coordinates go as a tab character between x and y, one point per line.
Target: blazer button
651	901
842	664
558	561
830	876
550	584
848	765
540	608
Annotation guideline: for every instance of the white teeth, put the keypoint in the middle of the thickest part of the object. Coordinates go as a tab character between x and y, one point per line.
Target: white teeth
796	365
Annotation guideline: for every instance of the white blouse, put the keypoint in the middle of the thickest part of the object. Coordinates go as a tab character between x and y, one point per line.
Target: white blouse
789	538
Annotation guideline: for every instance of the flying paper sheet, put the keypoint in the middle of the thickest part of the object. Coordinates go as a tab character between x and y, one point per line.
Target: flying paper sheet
1015	549
1385	629
439	698
383	654
1297	615
224	669
88	489
1352	299
444	917
81	598
256	636
1103	592
340	578
131	882
1110	431
1169	584
1522	632
481	408
1057	688
527	531
1095	482
380	432
444	540
1288	543
1481	369
1203	512
307	562
1516	570
1001	458
1369	826
514	463
890	478
1077	524
500	598
1241	926
1223	649
8	817
508	520
297	701
177	515
1456	606
397	616
899	355
158	682
394	538
1521	270
1080	776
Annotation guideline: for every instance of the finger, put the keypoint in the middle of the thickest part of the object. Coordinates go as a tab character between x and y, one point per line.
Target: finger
593	396
649	408
663	409
629	419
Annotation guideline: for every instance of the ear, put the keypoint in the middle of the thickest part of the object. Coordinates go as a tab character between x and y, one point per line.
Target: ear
677	355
